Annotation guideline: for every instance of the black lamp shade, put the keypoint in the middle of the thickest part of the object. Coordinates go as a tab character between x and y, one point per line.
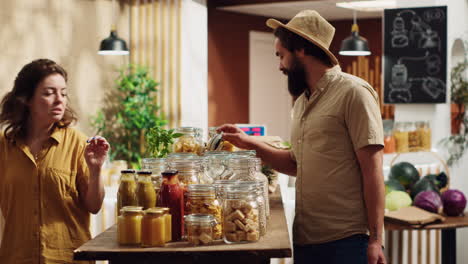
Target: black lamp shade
354	45
113	45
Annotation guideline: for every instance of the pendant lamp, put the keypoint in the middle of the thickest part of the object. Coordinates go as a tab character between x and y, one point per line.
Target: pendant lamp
354	45
113	45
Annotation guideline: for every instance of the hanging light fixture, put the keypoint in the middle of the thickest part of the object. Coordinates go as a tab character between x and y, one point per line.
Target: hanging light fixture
113	45
354	45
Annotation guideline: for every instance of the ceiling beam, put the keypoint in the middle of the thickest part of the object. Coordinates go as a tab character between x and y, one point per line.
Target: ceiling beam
221	3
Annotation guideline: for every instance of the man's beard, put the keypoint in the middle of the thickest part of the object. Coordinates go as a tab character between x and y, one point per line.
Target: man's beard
297	83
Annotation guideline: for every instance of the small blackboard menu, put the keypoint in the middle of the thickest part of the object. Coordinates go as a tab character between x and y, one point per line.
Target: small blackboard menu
415	55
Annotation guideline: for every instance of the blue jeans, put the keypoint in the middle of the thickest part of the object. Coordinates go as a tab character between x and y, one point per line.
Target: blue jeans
350	250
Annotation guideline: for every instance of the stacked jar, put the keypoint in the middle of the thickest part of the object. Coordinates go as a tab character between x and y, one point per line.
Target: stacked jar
129	225
201	199
146	195
126	195
200	229
156	166
240	215
190	142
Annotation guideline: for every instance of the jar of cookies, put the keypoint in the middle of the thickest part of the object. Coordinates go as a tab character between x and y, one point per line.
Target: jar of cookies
240	215
201	199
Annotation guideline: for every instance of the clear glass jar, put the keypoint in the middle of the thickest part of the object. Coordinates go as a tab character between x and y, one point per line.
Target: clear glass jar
146	195
201	199
153	228
126	195
189	170
190	142
129	225
215	163
413	137
240	215
424	132
263	179
156	166
221	187
400	132
200	229
257	188
211	132
171	196
251	153
241	168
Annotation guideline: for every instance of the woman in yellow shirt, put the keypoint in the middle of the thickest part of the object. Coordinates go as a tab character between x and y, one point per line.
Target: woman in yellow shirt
49	173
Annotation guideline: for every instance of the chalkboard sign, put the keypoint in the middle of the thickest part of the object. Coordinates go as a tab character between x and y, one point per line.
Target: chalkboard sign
415	55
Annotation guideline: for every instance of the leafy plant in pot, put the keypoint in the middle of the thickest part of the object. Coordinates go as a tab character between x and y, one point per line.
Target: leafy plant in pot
128	112
457	143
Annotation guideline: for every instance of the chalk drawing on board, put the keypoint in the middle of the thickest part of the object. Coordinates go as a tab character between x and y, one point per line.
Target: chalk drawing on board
399	37
433	87
400	87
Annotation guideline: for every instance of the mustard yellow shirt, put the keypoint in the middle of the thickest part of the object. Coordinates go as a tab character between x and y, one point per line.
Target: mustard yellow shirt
340	117
44	216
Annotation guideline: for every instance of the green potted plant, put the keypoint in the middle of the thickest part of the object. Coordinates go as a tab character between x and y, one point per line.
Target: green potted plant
159	141
456	144
129	111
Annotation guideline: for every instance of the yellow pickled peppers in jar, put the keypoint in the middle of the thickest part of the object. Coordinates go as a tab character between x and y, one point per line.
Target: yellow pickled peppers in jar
129	225
153	228
146	194
126	195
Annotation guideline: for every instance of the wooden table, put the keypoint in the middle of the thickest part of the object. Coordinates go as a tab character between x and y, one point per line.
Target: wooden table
275	244
448	229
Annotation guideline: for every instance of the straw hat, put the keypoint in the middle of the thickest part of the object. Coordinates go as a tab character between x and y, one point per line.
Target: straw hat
311	26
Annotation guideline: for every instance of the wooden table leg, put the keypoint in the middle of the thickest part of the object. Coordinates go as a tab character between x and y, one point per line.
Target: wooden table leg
449	246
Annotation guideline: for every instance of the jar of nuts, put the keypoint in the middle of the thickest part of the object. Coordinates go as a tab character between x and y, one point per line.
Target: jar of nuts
201	199
240	215
199	229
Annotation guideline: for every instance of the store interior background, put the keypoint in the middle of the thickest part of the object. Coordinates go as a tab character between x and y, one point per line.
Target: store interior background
217	83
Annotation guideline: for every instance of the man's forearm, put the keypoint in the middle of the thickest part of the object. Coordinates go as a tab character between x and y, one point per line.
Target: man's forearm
279	160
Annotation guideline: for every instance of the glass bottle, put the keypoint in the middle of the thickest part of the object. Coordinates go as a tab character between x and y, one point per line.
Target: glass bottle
215	163
126	195
153	228
129	225
191	141
201	199
146	195
400	133
156	166
424	133
171	195
200	229
413	137
240	215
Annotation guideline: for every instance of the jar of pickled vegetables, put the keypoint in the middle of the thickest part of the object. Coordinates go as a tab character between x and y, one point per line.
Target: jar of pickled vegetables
200	229
153	228
126	195
400	132
146	195
202	200
129	225
191	140
424	132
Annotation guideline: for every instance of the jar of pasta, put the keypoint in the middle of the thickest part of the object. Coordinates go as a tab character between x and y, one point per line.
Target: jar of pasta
191	140
126	195
153	228
201	199
129	225
241	216
424	133
400	132
146	195
413	137
200	229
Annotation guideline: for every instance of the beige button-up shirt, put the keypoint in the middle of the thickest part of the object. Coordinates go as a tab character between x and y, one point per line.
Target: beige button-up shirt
340	117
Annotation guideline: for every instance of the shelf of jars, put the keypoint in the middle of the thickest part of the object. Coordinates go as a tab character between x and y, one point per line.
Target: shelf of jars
202	197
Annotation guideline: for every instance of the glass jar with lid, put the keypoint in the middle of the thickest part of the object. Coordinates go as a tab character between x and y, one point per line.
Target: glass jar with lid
153	228
201	199
257	187
191	140
215	163
241	168
262	178
156	166
221	187
146	195
126	195
171	196
129	225
400	132
413	137
200	229
389	139
168	222
189	169
240	215
424	132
